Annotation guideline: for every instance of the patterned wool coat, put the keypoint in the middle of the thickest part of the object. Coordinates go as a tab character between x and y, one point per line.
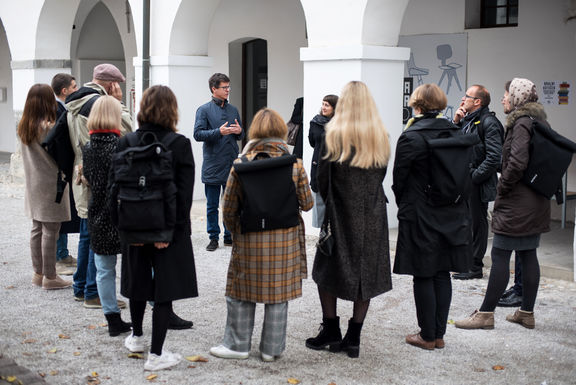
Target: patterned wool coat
97	156
268	266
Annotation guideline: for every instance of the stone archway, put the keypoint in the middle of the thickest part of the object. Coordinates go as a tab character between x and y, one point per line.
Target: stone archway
7	124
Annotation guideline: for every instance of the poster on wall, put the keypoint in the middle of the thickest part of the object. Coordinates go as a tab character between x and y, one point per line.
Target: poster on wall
441	59
555	93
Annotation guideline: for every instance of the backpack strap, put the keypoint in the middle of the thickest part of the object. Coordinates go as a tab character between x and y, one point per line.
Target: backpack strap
169	138
87	107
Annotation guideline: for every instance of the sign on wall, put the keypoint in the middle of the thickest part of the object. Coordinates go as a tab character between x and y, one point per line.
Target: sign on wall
441	59
555	93
408	88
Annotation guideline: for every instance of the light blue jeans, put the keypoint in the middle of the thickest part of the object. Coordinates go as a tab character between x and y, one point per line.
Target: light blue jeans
106	282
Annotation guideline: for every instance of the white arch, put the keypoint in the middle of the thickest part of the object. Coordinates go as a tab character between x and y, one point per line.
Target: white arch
54	30
382	22
192	22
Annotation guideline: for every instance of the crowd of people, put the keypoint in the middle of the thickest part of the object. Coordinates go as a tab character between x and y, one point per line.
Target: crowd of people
268	251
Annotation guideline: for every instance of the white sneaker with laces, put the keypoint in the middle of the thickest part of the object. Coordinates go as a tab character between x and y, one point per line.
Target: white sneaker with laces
223	352
166	360
134	343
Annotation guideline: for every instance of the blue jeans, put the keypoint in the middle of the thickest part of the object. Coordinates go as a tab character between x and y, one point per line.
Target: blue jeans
106	281
212	203
85	275
62	247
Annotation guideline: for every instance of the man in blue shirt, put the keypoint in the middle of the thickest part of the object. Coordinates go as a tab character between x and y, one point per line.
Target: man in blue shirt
218	126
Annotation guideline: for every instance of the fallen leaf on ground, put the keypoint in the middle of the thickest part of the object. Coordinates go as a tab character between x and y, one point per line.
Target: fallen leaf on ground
196	359
29	341
497	367
63	336
151	377
53	372
77	353
53	350
332	383
91	327
10	287
94	374
479	370
13	379
191	366
451	322
26	354
293	381
42	374
136	355
104	325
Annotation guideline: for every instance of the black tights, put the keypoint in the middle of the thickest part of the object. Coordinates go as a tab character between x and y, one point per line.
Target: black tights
500	274
160	319
432	296
328	302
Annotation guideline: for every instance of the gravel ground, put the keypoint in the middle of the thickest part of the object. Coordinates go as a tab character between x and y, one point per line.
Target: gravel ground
34	321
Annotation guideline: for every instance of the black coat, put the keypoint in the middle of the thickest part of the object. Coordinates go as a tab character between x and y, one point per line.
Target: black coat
487	155
430	239
316	139
359	268
173	267
96	159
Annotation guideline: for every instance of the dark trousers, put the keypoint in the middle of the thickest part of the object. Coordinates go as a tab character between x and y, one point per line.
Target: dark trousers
432	296
517	275
213	193
479	214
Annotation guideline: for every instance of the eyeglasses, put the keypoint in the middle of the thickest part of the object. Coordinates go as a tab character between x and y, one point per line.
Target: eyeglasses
224	87
470	97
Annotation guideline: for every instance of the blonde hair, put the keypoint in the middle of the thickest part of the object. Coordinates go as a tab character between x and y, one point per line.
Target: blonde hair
267	123
428	97
106	114
356	132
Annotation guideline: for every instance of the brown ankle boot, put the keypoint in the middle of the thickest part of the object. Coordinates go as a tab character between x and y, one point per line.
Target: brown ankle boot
477	320
56	283
417	340
37	279
524	318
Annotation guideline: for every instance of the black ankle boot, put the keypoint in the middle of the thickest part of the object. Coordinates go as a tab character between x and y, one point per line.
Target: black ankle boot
351	342
177	323
116	326
329	335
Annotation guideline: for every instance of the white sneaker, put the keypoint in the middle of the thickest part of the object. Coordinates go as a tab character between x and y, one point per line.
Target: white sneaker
166	360
267	357
223	352
134	343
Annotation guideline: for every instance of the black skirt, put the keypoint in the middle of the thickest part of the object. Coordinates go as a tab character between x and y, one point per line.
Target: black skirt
160	275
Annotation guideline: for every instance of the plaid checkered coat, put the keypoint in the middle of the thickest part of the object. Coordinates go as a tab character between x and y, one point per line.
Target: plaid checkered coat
266	267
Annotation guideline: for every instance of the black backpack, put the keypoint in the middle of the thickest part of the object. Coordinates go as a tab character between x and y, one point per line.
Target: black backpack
550	156
143	193
269	199
449	159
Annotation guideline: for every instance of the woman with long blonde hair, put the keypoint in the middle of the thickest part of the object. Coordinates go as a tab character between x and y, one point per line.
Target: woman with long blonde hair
350	176
40	172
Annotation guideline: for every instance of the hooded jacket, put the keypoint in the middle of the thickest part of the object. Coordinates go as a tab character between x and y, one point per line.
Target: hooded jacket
79	135
518	210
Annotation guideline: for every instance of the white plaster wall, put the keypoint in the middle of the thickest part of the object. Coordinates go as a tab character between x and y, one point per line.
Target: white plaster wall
282	24
541	48
7	123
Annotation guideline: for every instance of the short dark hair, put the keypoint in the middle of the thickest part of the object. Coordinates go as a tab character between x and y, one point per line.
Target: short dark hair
482	94
332	100
216	79
61	81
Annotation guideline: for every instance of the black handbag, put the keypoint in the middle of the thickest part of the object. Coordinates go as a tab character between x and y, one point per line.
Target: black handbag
326	242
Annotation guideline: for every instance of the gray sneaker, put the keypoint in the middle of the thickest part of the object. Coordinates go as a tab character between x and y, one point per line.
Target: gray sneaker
134	343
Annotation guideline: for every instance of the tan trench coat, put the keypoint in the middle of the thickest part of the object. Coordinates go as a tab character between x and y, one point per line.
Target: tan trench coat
266	267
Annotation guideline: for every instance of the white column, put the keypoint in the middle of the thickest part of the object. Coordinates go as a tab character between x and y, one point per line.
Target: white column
187	76
328	69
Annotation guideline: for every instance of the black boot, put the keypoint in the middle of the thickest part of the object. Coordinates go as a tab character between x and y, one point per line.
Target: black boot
351	342
329	335
116	326
177	323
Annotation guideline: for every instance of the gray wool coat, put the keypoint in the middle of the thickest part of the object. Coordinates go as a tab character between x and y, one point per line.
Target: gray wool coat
40	171
359	268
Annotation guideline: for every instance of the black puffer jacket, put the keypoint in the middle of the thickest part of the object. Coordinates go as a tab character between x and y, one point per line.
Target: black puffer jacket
487	153
97	155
